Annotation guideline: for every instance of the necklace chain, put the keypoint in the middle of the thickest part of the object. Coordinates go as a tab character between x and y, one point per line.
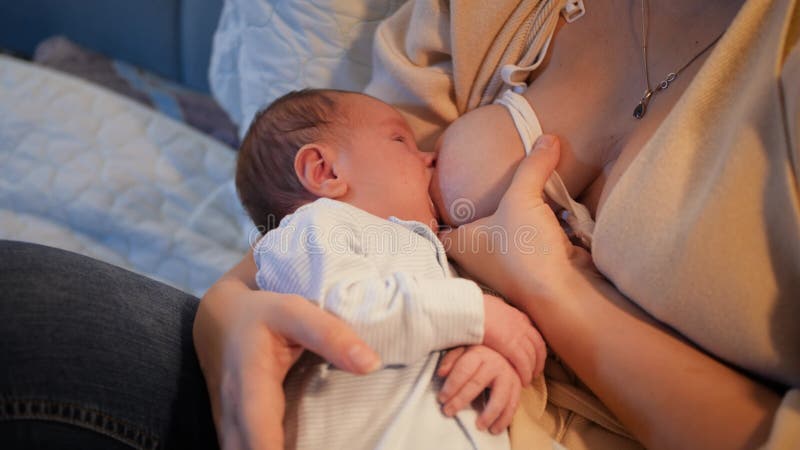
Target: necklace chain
641	108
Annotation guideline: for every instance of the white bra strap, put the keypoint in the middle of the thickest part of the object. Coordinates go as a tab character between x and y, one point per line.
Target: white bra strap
515	76
524	117
529	129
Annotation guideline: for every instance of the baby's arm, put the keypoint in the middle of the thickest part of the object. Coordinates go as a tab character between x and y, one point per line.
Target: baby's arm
402	316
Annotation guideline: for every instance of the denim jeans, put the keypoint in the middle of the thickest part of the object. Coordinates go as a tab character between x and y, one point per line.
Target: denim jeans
94	356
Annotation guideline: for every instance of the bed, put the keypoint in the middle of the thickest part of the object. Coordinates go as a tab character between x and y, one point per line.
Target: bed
86	169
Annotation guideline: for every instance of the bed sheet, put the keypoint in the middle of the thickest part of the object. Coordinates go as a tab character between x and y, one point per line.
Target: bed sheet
84	169
267	48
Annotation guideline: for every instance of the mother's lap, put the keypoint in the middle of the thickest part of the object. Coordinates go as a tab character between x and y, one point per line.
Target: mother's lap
97	354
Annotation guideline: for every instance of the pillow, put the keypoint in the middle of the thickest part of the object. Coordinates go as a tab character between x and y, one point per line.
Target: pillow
195	109
265	48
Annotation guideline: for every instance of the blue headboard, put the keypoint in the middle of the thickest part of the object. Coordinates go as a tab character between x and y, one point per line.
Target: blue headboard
169	37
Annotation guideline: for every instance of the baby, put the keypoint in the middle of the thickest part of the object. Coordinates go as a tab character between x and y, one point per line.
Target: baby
341	176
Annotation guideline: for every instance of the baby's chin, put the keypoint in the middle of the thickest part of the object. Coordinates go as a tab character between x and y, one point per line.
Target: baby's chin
434	210
438	206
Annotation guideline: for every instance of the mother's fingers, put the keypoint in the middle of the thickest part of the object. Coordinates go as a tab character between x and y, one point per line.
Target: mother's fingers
260	354
252	393
533	172
247	340
307	325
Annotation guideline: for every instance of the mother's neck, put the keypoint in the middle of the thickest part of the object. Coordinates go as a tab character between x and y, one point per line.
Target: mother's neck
672	16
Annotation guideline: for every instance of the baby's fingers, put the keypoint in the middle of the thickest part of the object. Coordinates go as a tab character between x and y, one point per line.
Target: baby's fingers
521	359
540	351
462	372
504	421
471	389
449	360
498	400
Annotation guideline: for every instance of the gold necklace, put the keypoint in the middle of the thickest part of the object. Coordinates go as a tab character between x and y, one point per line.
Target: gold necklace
641	108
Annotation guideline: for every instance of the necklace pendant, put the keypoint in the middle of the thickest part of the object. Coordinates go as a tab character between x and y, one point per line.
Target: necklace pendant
641	108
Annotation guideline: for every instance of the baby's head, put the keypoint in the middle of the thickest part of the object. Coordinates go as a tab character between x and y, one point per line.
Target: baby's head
476	159
341	145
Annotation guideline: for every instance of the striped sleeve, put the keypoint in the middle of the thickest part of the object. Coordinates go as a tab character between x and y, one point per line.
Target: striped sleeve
402	316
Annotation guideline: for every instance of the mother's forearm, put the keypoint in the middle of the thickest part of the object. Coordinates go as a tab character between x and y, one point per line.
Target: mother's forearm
668	393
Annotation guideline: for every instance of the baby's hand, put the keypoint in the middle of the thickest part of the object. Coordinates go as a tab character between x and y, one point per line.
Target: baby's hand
509	332
469	371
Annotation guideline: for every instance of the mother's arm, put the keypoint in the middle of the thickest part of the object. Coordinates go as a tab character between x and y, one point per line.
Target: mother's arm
667	392
246	341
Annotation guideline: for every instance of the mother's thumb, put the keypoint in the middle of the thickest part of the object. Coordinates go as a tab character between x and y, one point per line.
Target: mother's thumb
536	168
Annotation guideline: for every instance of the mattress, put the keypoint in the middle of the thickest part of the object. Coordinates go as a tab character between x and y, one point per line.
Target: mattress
86	170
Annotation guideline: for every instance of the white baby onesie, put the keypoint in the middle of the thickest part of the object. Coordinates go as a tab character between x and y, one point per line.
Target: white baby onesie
391	281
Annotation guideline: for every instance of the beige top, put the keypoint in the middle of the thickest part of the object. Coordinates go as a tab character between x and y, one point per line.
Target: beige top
709	209
433	61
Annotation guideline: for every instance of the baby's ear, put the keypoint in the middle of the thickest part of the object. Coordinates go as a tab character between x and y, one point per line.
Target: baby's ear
313	165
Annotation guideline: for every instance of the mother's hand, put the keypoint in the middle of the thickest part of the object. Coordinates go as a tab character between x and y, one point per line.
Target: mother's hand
246	341
523	236
630	361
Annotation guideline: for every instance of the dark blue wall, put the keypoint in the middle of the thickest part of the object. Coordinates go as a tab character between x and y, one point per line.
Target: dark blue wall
169	37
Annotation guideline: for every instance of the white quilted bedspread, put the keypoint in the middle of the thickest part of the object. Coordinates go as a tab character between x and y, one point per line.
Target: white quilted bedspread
86	170
266	48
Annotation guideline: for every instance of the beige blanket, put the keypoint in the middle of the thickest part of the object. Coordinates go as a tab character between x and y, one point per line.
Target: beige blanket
435	61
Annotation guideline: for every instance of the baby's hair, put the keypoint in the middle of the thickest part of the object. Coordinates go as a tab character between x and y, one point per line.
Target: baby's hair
265	179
